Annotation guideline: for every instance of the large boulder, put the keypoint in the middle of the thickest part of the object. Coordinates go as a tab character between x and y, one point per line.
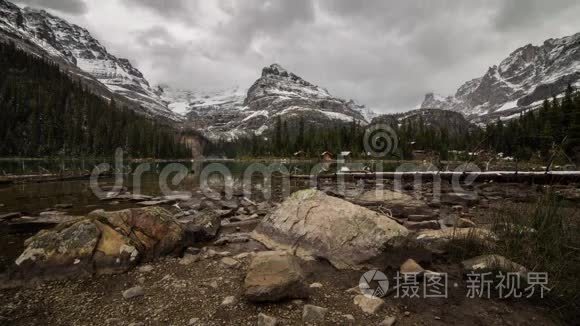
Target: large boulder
274	276
102	243
201	227
115	253
311	223
66	251
154	230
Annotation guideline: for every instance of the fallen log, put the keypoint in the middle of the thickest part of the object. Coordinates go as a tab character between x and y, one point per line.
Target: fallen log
552	177
41	178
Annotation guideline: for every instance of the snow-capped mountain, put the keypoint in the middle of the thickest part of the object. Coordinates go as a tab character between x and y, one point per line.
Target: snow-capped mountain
520	82
277	93
225	114
74	45
211	112
281	93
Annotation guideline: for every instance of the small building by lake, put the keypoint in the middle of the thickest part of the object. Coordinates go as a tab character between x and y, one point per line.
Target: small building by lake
327	156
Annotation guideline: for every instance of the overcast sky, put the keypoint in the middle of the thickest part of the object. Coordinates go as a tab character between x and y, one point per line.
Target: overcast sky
385	54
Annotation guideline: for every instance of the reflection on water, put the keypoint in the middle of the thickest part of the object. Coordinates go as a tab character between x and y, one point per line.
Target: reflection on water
32	198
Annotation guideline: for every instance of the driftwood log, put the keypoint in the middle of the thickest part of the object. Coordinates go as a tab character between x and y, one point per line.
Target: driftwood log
553	177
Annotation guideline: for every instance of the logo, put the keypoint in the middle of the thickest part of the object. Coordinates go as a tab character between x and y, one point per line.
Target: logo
374	283
380	140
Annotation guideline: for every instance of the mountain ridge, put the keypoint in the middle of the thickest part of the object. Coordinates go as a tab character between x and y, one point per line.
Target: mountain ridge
518	83
276	93
74	45
224	114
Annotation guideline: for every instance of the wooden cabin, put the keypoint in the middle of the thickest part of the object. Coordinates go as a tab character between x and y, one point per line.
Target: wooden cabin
327	156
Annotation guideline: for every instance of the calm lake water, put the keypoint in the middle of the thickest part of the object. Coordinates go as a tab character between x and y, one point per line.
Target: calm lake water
32	198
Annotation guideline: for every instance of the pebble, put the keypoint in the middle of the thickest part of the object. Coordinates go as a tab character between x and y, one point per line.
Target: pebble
388	321
265	320
242	255
193	321
315	285
188	259
229	301
213	284
410	266
133	292
230	262
368	305
313	314
145	268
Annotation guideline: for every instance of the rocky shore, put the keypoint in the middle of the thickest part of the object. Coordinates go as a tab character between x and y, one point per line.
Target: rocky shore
204	259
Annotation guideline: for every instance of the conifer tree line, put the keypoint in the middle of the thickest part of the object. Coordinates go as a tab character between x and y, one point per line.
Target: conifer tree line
536	134
555	127
45	113
310	140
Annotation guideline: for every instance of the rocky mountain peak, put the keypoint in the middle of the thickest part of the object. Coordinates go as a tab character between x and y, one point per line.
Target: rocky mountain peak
75	45
520	82
218	114
276	71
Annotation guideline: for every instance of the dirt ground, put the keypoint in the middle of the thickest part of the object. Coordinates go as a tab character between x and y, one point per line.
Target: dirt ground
176	294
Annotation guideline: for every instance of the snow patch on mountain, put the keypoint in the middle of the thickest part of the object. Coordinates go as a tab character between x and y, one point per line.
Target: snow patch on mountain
75	45
527	76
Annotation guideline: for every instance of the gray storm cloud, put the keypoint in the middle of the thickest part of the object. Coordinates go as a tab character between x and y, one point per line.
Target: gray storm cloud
75	7
385	54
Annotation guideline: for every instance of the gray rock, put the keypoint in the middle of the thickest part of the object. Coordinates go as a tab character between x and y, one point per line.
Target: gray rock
188	259
265	320
233	238
145	268
103	244
435	240
230	204
229	301
312	223
369	305
201	227
230	262
10	216
193	321
184	197
399	203
349	318
493	263
313	314
274	276
133	292
411	266
388	321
